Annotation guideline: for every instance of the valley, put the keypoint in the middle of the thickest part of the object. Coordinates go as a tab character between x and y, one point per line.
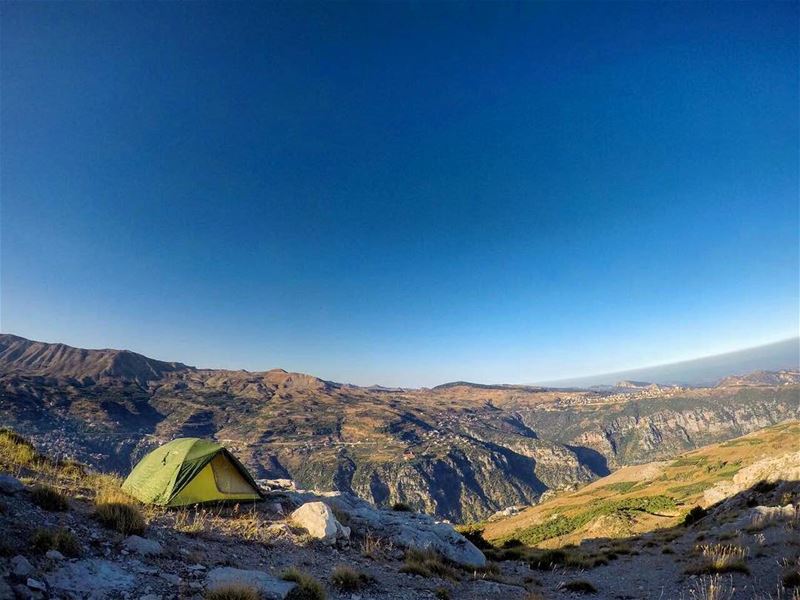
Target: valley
459	451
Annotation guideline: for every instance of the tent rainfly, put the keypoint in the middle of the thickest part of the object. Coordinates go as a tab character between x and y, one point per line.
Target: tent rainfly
190	471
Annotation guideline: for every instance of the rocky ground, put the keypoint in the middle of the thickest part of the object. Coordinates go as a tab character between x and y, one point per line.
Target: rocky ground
747	546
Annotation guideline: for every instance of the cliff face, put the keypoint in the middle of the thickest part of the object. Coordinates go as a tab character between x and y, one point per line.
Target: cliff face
458	451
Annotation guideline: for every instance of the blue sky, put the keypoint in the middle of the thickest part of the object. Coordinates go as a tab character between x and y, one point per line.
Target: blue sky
402	194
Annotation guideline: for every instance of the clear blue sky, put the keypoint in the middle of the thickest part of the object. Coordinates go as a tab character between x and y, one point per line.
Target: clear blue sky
402	194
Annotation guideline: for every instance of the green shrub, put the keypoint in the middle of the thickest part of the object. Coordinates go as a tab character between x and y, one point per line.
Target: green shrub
233	591
442	593
475	535
121	516
307	588
348	579
694	515
62	540
48	498
580	586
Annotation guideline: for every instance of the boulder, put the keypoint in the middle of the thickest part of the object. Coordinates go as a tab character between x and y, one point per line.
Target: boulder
21	567
318	519
142	546
10	485
270	587
54	555
93	578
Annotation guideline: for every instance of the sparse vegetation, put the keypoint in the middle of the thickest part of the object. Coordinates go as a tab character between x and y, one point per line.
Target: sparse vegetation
121	516
719	558
712	588
348	579
62	540
48	498
308	588
233	592
428	563
442	593
562	524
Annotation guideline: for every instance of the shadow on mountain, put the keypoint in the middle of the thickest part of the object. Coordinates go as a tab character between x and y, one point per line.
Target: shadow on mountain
592	459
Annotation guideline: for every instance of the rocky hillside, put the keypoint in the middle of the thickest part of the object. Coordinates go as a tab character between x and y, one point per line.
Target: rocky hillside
460	451
642	498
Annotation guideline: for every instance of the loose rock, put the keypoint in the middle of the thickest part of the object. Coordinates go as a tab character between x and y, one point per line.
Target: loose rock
270	587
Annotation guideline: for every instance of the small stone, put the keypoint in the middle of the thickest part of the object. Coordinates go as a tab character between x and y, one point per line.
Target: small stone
35	584
54	555
21	567
150	597
142	546
171	578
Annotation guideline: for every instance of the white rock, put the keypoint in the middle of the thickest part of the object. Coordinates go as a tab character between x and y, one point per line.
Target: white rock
21	567
142	546
54	555
10	485
92	577
318	519
270	587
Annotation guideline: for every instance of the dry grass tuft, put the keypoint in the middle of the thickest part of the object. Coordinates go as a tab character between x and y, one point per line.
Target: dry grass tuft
428	563
348	579
233	591
62	540
376	547
308	588
121	516
48	498
712	588
719	558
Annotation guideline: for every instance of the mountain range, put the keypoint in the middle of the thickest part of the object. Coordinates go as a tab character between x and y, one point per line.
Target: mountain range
708	370
460	451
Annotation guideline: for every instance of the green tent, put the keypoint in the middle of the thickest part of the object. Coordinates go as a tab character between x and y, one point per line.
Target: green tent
190	471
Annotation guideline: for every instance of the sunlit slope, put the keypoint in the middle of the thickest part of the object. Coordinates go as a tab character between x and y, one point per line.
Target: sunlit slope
659	494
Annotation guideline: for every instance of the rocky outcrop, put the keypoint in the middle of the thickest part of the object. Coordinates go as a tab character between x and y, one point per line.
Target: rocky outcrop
403	529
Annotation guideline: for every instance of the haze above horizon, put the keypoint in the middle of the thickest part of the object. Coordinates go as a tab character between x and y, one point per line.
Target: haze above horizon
403	194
